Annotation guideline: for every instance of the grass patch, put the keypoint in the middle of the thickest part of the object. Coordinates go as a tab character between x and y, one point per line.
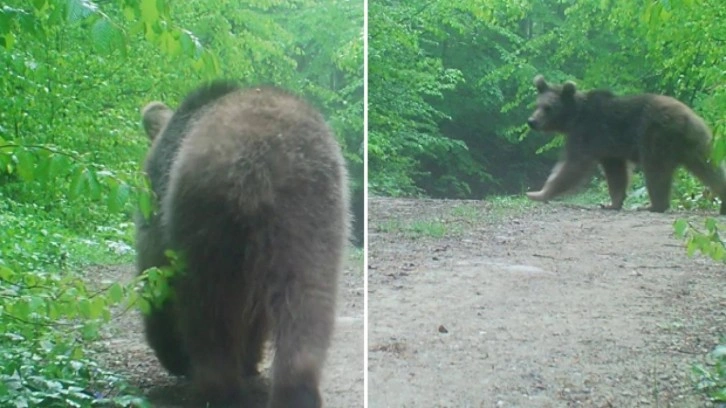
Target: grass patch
466	211
513	204
420	228
429	228
391	226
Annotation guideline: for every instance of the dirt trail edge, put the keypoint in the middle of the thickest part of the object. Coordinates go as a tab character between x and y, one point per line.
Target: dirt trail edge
550	306
125	351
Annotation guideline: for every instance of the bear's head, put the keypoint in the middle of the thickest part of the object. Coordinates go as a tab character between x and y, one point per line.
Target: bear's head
556	106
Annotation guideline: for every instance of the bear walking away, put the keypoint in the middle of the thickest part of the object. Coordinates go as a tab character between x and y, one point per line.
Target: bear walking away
655	131
252	193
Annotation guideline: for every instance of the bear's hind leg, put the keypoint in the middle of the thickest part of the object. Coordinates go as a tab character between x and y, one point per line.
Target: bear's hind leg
212	333
712	176
618	177
658	181
304	314
212	304
162	334
161	324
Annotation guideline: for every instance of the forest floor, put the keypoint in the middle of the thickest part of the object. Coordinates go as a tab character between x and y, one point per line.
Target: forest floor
474	304
124	350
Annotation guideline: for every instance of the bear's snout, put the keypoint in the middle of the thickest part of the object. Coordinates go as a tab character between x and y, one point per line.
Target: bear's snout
532	123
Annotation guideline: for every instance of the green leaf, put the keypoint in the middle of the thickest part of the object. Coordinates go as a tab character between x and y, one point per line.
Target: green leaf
78	182
42	170
691	248
711	224
79	10
112	199
123	192
115	293
7	40
77	353
30	24
84	308
60	165
40	5
89	331
21	309
6	273
149	11
94	187
144	305
102	34
6	22
98	307
719	150
25	162
6	162
189	44
169	44
680	226
145	204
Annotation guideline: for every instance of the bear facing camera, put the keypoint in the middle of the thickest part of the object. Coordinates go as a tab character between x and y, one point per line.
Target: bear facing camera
657	132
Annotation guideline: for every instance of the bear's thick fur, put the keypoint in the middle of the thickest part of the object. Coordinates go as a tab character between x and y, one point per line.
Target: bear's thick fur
656	131
252	193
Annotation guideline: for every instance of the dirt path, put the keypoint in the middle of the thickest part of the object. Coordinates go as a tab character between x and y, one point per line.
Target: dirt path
125	351
549	306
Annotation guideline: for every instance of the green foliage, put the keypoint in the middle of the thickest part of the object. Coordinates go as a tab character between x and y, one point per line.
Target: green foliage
47	318
711	380
48	315
157	282
403	79
451	83
708	241
47	166
48	312
64	379
690	193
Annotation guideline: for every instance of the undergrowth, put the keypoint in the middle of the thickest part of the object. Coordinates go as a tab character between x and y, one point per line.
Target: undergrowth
709	377
49	314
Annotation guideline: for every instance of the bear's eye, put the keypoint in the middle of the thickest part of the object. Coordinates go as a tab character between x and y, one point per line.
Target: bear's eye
547	109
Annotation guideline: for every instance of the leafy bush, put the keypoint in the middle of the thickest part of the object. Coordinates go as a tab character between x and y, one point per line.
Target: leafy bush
48	318
708	241
709	379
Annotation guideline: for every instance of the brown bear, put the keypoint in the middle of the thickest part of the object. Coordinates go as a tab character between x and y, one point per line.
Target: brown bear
252	192
655	131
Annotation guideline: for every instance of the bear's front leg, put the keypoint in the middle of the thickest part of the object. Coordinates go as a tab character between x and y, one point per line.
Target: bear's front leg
538	196
565	176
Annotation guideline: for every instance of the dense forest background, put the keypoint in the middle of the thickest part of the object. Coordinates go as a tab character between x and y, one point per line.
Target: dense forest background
75	74
450	83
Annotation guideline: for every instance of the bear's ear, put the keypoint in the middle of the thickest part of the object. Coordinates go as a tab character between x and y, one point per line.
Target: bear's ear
568	90
541	84
154	116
